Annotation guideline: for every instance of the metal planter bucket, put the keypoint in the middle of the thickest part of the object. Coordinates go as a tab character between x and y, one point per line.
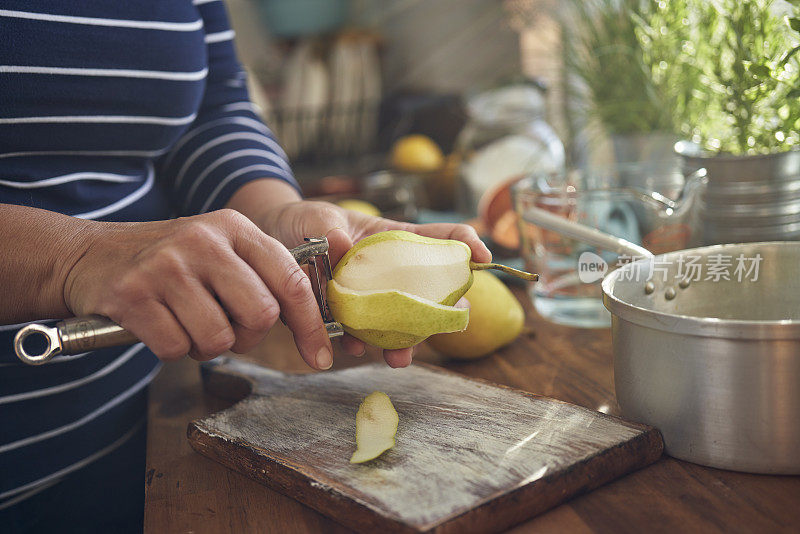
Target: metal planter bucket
753	193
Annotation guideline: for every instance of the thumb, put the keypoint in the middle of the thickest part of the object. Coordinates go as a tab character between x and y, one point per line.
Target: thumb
322	219
339	243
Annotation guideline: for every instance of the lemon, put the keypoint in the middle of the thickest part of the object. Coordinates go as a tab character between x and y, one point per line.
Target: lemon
416	153
360	206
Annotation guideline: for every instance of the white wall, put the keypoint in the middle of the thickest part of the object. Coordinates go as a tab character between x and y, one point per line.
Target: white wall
444	45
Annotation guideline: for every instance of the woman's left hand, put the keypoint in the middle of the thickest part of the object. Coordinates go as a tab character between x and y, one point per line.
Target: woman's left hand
292	222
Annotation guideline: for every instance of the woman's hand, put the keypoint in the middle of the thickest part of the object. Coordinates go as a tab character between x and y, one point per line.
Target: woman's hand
199	285
292	222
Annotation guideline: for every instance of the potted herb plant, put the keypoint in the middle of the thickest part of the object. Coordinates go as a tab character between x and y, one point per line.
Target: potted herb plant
722	74
742	113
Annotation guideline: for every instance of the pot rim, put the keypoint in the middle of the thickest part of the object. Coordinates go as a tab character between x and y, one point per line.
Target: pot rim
693	325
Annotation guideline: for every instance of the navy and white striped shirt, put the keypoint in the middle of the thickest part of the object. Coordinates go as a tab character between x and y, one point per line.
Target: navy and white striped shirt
115	111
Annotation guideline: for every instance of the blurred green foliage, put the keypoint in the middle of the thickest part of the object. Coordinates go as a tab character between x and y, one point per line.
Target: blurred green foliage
724	73
628	88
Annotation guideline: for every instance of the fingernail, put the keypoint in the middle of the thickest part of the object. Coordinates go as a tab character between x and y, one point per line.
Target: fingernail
324	358
363	352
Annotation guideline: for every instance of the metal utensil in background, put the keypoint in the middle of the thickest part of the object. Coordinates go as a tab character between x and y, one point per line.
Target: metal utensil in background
556	223
83	334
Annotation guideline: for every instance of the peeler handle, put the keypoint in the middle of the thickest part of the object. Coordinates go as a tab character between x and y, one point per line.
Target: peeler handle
313	247
72	336
83	334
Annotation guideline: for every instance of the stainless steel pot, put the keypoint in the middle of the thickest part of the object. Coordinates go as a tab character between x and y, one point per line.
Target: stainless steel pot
714	365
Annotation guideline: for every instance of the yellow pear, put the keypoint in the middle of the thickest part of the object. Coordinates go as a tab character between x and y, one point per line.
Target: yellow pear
496	319
394	289
376	426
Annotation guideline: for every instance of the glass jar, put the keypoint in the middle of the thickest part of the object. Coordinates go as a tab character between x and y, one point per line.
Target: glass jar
505	138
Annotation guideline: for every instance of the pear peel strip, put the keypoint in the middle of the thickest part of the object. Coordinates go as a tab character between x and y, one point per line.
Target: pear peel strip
508	270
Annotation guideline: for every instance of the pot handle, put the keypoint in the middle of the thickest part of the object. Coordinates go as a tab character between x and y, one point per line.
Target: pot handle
575	230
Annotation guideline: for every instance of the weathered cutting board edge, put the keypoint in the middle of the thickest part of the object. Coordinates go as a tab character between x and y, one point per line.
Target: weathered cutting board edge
514	514
644	448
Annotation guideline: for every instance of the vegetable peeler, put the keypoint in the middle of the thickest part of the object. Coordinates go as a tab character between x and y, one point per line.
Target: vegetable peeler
83	334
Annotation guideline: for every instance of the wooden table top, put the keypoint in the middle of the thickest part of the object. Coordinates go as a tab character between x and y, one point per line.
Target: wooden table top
187	492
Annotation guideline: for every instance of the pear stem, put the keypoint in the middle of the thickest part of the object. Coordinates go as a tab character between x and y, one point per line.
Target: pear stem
508	270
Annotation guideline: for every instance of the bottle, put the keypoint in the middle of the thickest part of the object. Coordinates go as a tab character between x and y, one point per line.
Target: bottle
505	138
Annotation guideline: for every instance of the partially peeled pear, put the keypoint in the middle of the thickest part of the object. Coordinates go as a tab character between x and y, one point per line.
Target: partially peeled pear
394	289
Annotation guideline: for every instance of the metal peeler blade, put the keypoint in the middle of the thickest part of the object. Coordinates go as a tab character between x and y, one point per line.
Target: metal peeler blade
82	334
314	251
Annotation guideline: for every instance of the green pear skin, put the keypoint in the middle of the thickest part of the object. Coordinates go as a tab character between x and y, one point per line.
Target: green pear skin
392	319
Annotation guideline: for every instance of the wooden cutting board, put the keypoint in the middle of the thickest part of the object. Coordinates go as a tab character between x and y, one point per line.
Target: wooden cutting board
470	456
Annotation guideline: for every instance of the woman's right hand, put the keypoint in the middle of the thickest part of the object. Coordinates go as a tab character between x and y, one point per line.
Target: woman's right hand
198	285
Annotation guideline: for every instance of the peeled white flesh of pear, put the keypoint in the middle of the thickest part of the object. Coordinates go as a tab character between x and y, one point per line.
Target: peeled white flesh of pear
430	268
376	426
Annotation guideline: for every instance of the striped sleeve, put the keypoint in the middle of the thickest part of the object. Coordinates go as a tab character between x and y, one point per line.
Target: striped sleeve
227	145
